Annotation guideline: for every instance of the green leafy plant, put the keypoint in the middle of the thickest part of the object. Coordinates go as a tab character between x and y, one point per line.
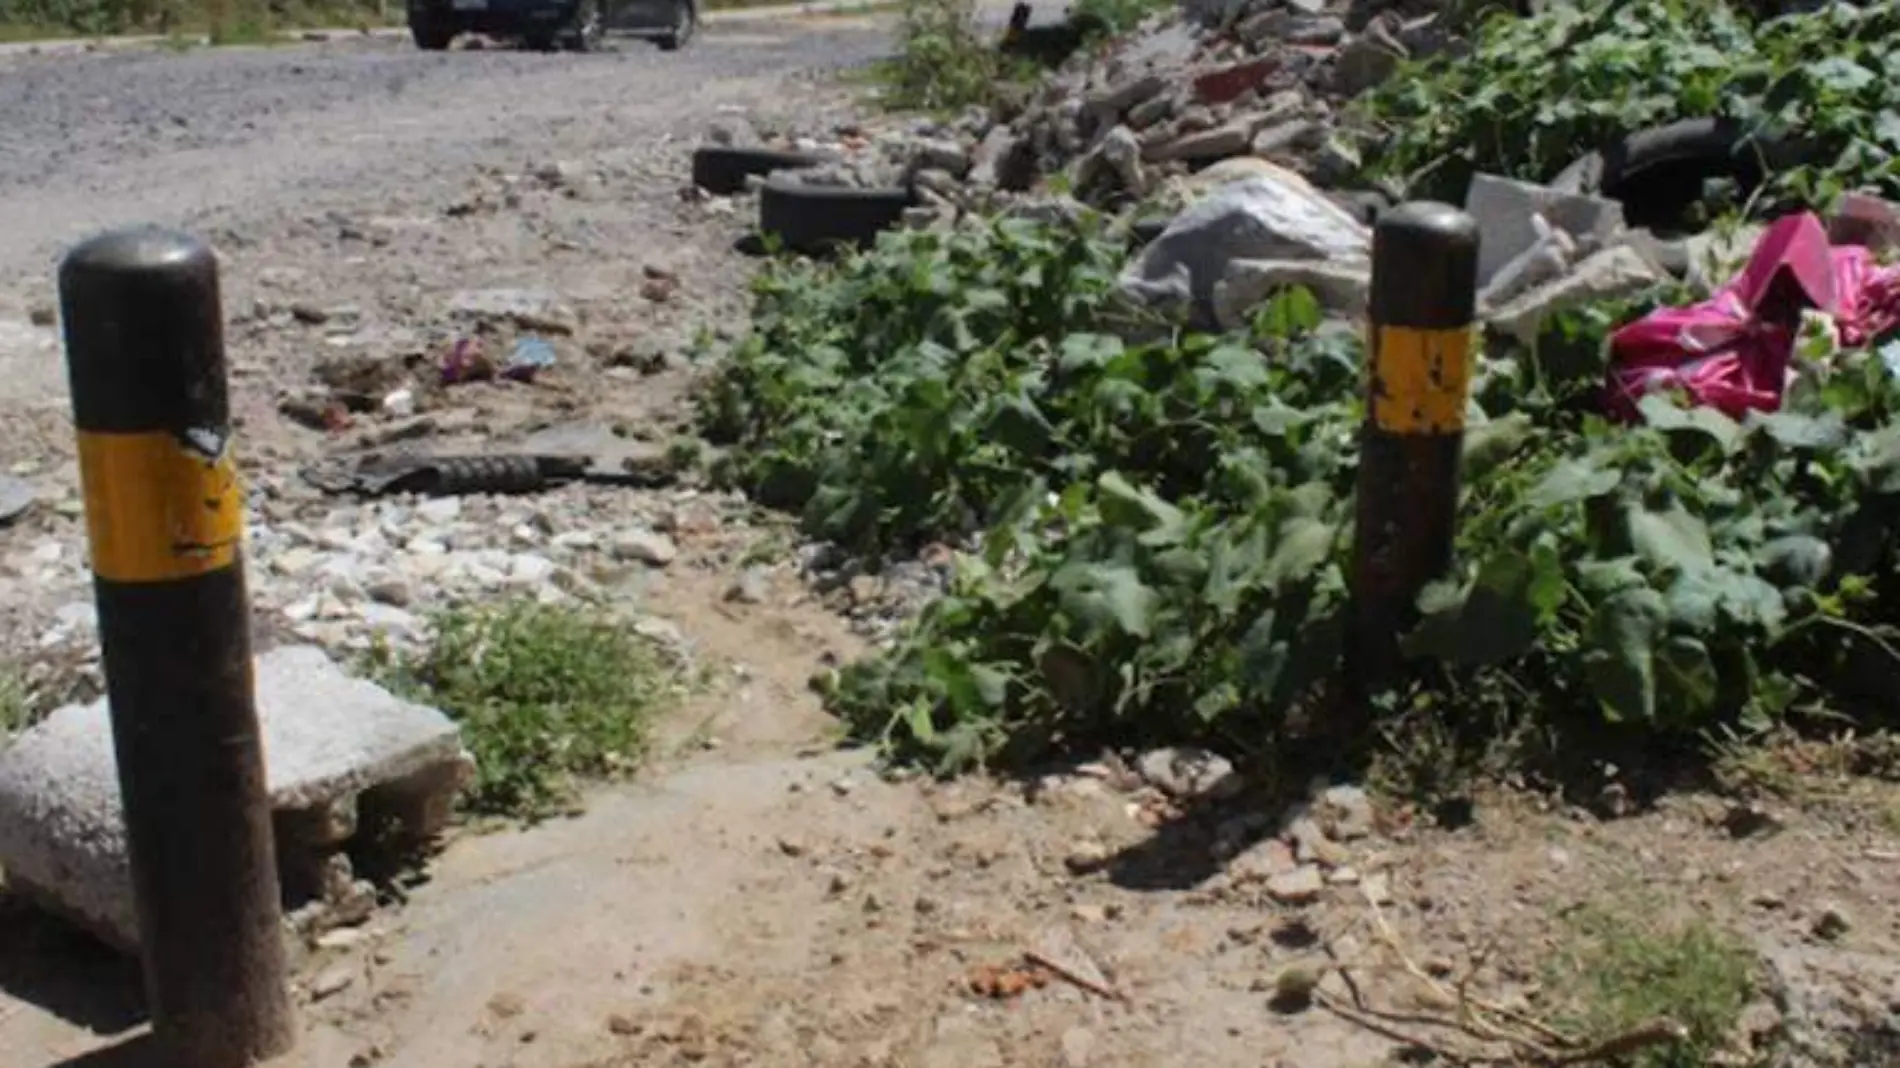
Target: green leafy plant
1534	94
1116	16
944	61
1157	531
546	697
16	702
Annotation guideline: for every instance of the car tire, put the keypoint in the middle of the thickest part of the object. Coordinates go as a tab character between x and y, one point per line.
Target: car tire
685	24
588	28
1657	173
541	41
819	219
723	170
431	36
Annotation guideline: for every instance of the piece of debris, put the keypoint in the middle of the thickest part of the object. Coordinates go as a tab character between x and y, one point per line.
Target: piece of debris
1060	954
1004	981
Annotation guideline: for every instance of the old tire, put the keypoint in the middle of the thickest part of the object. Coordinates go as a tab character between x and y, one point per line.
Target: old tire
431	36
684	24
1657	174
723	169
816	219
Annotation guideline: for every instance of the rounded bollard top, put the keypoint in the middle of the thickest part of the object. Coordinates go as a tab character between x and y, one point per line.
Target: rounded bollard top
1450	223
1425	267
144	332
138	249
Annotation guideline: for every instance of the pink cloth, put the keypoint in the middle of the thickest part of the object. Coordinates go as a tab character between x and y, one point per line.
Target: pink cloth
1732	351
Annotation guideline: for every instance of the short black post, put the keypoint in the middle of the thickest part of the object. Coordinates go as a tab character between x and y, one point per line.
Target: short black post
1418	375
165	517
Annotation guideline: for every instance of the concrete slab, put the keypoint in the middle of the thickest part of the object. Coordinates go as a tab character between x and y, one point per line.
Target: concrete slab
329	738
1503	208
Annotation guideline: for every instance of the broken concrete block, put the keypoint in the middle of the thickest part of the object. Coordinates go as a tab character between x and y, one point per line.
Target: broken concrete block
1504	209
1116	160
1218	143
1284	137
1365	61
1545	261
1272	215
1120	97
1150	111
330	741
1619	271
1228	83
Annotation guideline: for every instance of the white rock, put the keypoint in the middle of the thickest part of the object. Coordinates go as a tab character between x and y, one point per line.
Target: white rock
645	546
440	509
527	569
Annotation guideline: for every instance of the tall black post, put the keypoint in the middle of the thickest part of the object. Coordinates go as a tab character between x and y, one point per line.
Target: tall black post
165	517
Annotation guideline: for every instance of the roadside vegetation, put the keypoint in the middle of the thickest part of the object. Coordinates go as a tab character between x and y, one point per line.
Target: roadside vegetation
547	697
1825	85
945	62
1157	529
218	22
16	704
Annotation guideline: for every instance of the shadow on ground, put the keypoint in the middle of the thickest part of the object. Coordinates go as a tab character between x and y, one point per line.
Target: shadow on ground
66	972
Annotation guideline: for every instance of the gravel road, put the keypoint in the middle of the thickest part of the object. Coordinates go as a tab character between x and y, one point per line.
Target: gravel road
280	155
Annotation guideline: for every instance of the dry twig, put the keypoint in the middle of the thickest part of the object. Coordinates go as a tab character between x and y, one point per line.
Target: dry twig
1061	971
1483	1021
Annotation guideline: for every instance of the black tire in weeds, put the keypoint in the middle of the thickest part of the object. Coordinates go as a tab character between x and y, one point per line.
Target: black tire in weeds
723	169
1658	174
816	219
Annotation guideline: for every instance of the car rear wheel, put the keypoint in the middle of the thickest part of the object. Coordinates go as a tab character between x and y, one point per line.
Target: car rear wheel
588	28
431	36
685	21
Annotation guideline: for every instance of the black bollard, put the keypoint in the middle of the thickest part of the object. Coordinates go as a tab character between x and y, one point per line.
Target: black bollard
1424	297
164	518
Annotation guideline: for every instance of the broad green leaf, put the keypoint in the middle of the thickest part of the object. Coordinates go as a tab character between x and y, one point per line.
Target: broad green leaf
1263	657
1795	560
1232	562
1666	415
1876	458
1494	622
1304	544
1236	367
1290	312
1081	351
1127	504
1620	653
1792	430
1275	418
1491	442
1686	678
1672	540
1574	480
1101	596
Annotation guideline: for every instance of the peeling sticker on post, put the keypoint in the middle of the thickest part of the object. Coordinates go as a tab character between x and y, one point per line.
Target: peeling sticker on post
1420	379
161	506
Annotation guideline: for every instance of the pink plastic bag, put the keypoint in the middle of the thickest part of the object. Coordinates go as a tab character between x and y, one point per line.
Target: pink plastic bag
1732	351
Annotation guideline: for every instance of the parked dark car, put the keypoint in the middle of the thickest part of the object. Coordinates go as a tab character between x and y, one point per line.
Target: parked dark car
579	25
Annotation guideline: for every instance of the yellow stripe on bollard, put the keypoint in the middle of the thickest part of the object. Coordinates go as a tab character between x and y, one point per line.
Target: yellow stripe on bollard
1420	379
157	510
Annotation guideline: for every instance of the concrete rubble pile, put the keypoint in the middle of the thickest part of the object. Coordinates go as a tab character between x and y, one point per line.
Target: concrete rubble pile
1225	79
1229	118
